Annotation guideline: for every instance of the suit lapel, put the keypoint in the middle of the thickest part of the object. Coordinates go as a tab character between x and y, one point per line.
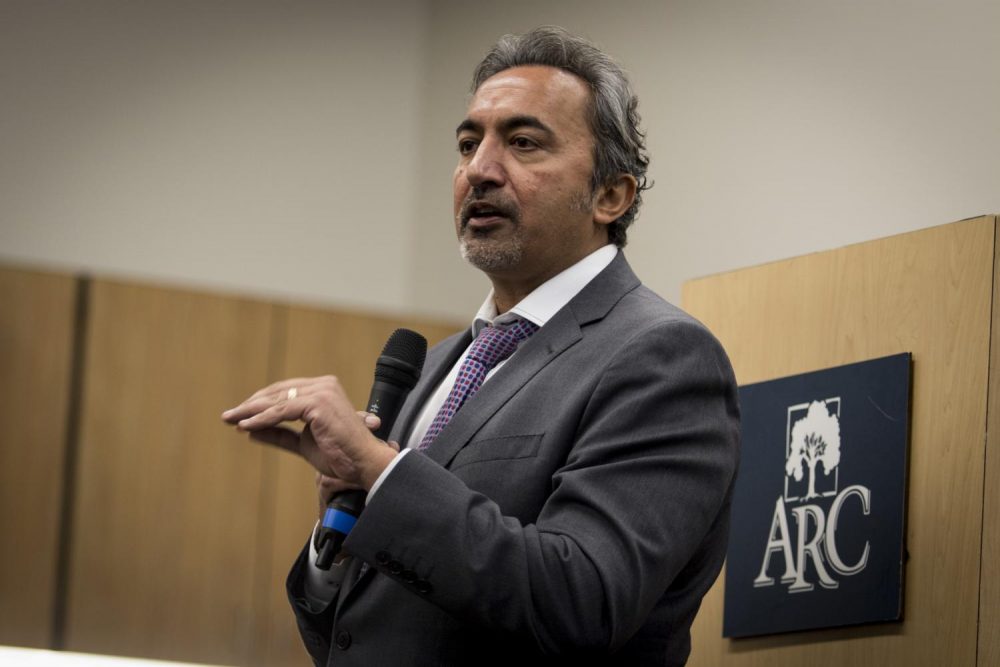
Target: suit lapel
531	357
564	329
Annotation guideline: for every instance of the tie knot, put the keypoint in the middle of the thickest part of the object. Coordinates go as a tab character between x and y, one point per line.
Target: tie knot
494	344
519	328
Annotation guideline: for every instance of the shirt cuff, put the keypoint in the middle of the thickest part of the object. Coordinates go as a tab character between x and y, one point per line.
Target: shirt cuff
385	473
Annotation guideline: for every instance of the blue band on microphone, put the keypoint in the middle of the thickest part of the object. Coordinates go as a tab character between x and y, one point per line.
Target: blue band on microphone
338	521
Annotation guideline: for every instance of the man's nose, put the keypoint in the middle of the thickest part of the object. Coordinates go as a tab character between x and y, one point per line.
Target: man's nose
486	166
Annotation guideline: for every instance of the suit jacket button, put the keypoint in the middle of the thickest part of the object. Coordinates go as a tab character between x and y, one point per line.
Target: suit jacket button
382	557
408	577
395	567
343	640
423	587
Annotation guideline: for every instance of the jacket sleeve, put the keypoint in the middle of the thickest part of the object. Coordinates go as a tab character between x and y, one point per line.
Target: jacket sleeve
649	470
314	609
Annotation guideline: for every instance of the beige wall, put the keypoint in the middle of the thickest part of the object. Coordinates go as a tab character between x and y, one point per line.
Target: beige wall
777	127
286	149
258	146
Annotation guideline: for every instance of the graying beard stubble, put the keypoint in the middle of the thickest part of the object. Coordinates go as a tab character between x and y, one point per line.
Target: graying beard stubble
492	257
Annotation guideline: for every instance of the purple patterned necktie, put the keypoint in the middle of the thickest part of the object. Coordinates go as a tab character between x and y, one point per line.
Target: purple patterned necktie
492	345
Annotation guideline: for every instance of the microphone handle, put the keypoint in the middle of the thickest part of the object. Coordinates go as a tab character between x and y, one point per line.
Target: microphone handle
385	402
339	518
342	512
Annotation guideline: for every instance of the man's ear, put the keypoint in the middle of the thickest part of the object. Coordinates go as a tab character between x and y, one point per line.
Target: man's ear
614	198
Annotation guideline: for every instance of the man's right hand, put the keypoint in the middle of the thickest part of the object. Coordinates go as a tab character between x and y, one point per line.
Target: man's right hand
327	487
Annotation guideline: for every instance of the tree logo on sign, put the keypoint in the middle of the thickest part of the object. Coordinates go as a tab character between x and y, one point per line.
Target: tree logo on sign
815	441
812	476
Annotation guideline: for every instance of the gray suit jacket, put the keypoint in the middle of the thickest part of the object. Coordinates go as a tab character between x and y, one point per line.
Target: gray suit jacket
575	509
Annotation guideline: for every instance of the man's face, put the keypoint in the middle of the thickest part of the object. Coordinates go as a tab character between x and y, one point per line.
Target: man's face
523	203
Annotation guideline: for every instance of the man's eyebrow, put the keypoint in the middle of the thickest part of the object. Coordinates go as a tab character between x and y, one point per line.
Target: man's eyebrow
507	125
467	125
515	122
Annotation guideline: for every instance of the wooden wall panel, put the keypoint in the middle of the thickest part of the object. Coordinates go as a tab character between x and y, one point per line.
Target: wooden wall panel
163	551
929	293
36	341
316	342
989	594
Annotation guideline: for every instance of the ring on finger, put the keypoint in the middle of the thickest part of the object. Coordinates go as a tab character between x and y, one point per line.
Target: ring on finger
292	393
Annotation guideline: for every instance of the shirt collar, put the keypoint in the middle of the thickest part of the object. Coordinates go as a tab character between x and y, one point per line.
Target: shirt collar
548	298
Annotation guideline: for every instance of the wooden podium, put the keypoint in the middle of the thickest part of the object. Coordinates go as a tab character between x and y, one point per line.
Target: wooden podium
934	293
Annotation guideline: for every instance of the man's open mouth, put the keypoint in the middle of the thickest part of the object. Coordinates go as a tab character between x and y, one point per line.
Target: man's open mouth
483	214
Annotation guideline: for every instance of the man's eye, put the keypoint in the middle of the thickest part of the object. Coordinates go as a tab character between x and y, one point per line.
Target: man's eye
466	146
523	143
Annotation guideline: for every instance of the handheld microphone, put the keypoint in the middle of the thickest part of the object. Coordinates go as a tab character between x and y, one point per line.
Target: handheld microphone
396	373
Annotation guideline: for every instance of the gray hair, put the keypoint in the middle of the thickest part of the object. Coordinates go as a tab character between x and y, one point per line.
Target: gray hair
619	144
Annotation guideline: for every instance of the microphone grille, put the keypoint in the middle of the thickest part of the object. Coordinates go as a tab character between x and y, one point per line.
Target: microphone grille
402	358
407	346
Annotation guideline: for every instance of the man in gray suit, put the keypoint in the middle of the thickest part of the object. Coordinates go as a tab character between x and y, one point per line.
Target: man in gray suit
564	484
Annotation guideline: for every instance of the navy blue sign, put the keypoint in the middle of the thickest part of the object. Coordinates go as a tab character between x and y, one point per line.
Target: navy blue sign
818	510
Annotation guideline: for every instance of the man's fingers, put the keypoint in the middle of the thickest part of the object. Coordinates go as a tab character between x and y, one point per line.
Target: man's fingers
370	420
334	440
328	487
273	394
284	411
247	409
279	389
